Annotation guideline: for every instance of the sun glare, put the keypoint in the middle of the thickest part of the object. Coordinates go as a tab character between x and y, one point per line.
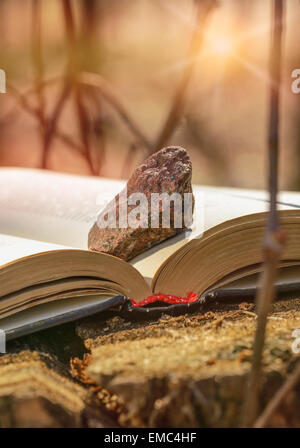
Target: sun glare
222	45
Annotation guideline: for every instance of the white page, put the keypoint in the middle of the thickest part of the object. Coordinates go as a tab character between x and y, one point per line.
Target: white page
61	209
213	206
13	248
53	207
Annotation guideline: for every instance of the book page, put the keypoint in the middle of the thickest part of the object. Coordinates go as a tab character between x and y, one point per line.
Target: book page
52	207
61	208
13	248
213	206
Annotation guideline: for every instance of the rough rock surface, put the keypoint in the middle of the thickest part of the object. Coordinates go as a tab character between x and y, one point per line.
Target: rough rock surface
167	171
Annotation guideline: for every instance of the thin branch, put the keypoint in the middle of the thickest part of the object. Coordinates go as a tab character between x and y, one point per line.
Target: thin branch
97	81
89	53
274	237
37	58
83	118
97	127
22	100
70	35
27	107
68	140
271	407
53	121
84	125
36	44
44	84
67	87
204	10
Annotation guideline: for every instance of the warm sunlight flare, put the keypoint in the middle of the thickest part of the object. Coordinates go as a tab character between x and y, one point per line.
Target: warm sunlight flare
222	45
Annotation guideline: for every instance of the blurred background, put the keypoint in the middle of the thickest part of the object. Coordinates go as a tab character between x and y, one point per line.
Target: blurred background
94	86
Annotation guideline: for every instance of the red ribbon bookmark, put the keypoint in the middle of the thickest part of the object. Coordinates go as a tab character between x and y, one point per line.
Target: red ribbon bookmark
171	300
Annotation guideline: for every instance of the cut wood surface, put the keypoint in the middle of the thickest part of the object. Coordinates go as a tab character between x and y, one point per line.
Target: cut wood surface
192	370
38	390
33	393
178	371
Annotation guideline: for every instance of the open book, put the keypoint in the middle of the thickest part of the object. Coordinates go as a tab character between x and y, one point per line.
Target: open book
48	275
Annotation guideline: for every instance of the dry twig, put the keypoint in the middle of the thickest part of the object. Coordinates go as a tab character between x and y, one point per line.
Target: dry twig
37	58
278	397
90	23
109	94
23	101
78	90
84	125
52	122
274	237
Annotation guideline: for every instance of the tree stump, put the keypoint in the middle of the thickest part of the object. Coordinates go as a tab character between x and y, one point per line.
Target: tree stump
186	371
191	371
37	388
